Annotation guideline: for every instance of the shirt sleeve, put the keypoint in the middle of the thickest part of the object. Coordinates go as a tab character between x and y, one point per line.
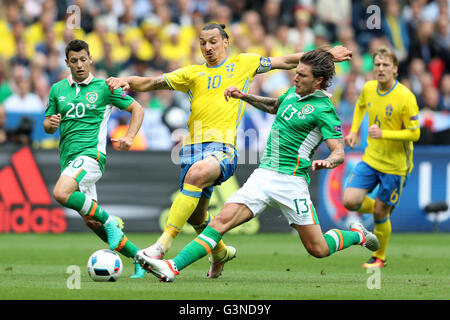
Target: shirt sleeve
358	113
52	104
411	131
119	99
411	113
255	63
329	124
179	79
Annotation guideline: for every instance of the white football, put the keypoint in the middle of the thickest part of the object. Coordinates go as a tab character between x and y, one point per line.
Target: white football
104	265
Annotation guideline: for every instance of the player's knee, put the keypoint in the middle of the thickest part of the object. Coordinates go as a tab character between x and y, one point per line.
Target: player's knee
317	250
196	176
60	196
350	203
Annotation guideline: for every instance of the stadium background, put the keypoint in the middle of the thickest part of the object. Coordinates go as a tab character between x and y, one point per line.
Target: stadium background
145	37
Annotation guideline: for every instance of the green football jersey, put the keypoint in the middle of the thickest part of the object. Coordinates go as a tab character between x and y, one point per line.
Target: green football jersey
85	109
300	126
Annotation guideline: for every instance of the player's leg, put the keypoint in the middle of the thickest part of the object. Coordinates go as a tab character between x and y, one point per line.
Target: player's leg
292	196
388	196
200	175
81	175
221	253
76	189
323	245
243	205
363	179
382	230
231	215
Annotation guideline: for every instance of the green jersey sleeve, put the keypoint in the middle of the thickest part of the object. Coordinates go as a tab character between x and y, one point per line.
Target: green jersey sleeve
52	105
118	98
329	124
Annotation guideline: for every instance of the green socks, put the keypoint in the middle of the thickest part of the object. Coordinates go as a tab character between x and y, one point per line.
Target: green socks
340	239
197	248
86	207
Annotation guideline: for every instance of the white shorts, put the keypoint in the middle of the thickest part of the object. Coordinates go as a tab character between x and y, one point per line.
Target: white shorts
86	171
267	188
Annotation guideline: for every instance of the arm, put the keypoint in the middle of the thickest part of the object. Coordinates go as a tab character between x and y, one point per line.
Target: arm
137	116
358	115
396	135
335	158
51	123
290	61
269	105
136	83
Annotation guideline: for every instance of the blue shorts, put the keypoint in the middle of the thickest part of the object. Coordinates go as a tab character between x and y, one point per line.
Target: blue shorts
390	186
225	154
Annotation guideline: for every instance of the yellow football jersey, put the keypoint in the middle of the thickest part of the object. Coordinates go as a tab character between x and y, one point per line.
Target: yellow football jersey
395	109
213	119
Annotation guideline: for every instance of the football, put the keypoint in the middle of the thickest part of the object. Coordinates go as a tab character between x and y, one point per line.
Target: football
104	265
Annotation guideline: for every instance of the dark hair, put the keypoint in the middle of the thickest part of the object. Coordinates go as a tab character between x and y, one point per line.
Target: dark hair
322	65
221	27
77	45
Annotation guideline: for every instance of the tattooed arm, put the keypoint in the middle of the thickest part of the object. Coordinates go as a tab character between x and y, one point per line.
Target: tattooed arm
335	158
136	83
269	105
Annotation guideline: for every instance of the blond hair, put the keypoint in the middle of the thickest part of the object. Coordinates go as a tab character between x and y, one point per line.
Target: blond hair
386	52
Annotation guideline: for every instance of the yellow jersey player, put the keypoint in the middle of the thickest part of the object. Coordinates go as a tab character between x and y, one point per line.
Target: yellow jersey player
208	155
388	158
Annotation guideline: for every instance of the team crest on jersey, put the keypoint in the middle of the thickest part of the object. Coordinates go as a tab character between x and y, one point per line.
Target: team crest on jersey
230	67
91	97
307	109
389	110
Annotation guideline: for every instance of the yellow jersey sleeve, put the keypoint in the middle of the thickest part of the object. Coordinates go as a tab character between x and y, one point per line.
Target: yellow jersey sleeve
180	79
359	112
411	113
255	63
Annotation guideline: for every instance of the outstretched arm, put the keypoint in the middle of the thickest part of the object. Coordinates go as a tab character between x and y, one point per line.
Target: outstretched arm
136	83
269	105
290	61
335	158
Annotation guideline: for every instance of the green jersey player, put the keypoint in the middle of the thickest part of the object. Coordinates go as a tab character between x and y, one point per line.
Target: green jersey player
305	117
80	106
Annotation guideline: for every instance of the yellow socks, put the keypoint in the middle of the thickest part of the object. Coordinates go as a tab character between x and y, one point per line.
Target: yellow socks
383	232
180	211
367	206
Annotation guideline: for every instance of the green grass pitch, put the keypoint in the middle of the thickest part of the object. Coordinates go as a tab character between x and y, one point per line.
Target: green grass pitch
267	267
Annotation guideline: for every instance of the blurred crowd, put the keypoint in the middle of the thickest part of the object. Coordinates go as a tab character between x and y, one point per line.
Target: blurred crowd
150	37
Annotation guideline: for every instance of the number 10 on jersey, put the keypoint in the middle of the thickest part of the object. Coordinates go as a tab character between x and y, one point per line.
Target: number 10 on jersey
214	82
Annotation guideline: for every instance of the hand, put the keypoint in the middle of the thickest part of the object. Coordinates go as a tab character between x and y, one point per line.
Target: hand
375	132
350	139
320	164
340	53
54	121
233	92
123	144
115	83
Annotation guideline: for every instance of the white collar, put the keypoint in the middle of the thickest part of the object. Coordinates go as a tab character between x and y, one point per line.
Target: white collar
318	93
85	81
